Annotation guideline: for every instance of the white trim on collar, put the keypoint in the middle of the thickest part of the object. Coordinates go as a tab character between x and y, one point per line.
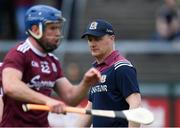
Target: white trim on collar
34	49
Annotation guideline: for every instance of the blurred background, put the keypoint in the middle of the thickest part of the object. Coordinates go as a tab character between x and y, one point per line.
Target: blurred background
147	33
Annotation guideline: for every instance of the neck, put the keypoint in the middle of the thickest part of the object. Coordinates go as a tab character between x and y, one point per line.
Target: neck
102	58
35	44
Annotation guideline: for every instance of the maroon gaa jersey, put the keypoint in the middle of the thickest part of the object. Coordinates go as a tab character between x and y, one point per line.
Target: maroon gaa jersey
40	71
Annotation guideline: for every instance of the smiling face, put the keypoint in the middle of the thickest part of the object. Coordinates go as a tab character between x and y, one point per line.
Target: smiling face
101	47
51	36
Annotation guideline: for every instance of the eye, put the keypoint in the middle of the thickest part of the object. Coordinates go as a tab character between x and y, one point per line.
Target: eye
89	38
98	38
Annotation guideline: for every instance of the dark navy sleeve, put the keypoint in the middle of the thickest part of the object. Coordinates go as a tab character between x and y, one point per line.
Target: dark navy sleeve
126	80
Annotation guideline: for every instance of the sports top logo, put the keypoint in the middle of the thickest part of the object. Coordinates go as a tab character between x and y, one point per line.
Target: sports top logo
103	78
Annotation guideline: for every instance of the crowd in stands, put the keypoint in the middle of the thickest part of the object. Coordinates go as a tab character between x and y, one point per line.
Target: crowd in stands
12	16
12	19
167	22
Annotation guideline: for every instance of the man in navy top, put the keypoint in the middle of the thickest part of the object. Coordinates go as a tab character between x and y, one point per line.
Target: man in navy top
118	89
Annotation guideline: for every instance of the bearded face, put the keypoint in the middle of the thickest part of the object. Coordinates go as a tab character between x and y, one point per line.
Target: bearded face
51	37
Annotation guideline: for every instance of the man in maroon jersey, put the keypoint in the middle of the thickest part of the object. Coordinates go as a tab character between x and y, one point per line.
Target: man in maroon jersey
30	72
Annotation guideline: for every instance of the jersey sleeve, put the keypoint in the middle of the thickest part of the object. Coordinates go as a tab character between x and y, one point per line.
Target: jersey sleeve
15	59
126	80
60	71
57	67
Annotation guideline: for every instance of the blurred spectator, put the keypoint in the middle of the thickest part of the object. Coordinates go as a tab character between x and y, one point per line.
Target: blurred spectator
73	73
55	3
7	23
12	16
21	8
167	22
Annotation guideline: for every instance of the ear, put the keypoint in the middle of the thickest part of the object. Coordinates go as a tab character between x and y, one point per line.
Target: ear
35	29
112	37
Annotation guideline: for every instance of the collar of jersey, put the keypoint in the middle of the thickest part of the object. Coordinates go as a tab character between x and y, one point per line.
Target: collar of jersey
35	50
109	59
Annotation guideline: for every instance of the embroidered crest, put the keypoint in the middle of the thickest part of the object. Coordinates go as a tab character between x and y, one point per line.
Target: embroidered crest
103	78
93	26
34	64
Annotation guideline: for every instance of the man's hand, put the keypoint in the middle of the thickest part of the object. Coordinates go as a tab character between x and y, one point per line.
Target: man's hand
56	106
91	77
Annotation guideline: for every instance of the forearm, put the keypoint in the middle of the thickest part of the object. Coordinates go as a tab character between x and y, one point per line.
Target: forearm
80	91
77	94
84	121
17	89
91	77
134	101
20	91
72	95
133	124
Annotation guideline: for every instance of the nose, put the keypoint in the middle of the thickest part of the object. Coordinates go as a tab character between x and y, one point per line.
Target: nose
58	32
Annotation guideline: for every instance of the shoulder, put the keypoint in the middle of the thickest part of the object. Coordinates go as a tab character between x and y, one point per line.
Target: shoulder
18	51
54	59
53	56
122	63
124	69
17	56
23	47
125	75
